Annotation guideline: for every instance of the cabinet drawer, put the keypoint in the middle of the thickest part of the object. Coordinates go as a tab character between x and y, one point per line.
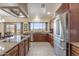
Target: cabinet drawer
74	53
26	47
21	49
76	49
13	52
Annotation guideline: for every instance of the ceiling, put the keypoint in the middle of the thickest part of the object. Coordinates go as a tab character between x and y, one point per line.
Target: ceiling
41	10
37	9
3	13
13	9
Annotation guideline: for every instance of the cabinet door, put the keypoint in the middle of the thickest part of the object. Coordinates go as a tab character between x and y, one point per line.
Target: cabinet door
21	49
74	7
50	39
13	52
44	37
74	22
26	47
40	37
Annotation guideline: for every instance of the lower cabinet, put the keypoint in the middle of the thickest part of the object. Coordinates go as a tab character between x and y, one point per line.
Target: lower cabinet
39	37
26	47
21	49
74	50
50	40
12	52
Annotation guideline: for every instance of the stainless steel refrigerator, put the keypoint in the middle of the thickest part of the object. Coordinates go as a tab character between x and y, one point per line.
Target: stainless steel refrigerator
61	36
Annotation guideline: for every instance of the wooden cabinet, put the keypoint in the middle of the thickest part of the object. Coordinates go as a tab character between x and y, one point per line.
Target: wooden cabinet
74	7
40	37
12	52
74	22
74	50
21	49
50	40
26	47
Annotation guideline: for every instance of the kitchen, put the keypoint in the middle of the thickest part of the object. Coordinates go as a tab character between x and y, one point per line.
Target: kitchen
19	30
39	29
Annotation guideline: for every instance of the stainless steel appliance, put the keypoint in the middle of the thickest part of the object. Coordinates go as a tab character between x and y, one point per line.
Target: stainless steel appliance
60	35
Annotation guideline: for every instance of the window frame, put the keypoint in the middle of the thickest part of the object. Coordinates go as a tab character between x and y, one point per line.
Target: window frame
46	26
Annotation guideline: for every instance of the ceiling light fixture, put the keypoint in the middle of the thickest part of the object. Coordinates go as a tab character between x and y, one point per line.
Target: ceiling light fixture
37	18
48	13
21	15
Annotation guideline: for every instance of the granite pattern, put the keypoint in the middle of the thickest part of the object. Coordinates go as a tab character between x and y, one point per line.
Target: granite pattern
15	40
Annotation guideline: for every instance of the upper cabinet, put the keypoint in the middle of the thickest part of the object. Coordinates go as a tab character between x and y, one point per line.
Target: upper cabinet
63	8
74	7
74	21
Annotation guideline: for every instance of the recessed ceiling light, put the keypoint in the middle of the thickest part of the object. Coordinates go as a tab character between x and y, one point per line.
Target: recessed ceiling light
21	15
48	13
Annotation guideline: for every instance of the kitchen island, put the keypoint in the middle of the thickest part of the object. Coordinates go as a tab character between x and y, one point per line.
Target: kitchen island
16	45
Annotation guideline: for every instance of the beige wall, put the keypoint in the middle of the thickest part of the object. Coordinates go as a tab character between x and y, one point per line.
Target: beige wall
13	19
10	19
2	29
46	19
24	20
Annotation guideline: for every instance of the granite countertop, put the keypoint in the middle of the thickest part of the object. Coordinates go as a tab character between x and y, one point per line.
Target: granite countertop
75	43
11	42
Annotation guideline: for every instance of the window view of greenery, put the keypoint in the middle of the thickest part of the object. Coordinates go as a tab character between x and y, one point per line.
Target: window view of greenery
38	26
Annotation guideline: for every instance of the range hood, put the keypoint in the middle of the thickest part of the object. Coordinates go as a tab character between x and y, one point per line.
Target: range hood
15	9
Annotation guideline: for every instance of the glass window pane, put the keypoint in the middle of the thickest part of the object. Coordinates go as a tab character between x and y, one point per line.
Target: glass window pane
44	26
39	26
31	26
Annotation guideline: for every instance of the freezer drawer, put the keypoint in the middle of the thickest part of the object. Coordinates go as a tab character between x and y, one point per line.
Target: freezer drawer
59	51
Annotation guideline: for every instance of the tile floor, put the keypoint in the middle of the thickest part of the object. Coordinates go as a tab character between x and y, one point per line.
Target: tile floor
40	49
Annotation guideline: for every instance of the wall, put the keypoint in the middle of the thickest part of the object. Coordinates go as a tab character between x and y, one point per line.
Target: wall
24	20
10	19
2	29
45	19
